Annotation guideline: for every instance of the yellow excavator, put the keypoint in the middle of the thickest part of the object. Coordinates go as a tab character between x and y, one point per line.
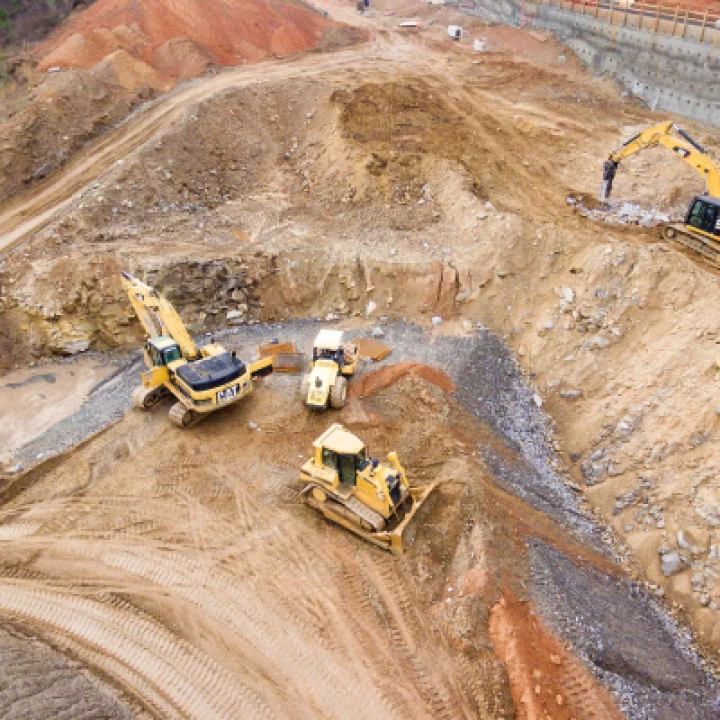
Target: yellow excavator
701	230
347	486
202	379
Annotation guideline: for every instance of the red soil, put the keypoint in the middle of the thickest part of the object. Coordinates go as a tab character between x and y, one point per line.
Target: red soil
182	37
546	680
373	382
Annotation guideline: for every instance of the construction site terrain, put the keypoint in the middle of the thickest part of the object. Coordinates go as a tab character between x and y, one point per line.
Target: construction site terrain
553	365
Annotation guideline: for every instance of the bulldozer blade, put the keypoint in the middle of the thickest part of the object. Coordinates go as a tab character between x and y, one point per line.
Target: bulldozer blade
391	540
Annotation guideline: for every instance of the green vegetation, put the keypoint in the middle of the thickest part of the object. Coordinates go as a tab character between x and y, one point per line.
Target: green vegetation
24	21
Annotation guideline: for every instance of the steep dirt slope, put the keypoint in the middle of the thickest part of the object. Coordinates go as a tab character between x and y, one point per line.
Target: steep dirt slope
181	38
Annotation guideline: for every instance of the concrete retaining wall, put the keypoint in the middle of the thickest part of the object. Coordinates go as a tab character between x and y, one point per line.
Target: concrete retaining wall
680	75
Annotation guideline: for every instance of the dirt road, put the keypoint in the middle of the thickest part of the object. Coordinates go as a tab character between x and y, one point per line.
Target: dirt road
29	212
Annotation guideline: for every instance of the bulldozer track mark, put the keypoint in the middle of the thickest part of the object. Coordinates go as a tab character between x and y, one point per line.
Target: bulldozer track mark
584	695
172	667
405	626
282	649
15	530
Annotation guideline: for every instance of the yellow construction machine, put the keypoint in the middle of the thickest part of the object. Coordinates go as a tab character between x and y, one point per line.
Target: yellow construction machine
202	379
347	486
701	230
333	362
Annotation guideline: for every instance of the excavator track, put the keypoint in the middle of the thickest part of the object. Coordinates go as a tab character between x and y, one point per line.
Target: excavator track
679	235
183	416
147	398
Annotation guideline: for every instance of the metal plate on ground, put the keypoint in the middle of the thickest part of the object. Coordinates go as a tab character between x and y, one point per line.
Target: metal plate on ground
289	362
372	349
277	348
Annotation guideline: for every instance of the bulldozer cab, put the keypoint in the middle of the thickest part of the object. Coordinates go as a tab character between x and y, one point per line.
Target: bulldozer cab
342	452
163	351
346	466
336	356
328	346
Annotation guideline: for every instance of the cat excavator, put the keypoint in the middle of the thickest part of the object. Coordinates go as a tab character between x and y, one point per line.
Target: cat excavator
701	229
202	379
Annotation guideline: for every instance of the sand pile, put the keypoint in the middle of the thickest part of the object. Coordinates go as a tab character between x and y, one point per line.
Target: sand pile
182	38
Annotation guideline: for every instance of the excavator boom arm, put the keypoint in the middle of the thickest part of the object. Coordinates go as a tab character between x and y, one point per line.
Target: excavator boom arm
684	146
157	315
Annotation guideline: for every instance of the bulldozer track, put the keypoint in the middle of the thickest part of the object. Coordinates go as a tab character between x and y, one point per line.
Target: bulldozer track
162	668
405	626
706	249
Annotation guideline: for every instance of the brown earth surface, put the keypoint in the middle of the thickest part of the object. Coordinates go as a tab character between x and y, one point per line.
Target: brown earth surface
405	178
147	551
372	382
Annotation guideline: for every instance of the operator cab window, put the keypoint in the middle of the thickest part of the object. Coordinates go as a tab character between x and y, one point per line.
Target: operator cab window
172	354
703	216
155	356
329	459
346	469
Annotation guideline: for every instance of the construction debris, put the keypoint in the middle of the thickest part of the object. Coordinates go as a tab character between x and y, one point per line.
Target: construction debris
292	362
372	349
277	348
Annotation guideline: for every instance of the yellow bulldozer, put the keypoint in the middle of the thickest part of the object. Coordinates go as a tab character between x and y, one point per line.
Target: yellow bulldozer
349	487
333	362
701	229
201	379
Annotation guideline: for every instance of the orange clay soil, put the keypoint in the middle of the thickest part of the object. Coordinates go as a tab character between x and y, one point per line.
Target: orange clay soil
177	36
546	680
368	385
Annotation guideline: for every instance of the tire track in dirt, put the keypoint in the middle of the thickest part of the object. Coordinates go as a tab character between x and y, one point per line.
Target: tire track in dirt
168	673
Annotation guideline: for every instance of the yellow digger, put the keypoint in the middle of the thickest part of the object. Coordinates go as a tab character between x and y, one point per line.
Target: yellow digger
202	379
701	230
347	486
333	362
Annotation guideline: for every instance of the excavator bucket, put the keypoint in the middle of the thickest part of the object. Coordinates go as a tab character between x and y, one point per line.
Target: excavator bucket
391	540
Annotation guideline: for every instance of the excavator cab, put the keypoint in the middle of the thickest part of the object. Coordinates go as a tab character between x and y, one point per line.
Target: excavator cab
704	214
163	350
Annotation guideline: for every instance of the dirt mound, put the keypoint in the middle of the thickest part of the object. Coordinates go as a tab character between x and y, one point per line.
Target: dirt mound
370	384
182	58
181	38
121	68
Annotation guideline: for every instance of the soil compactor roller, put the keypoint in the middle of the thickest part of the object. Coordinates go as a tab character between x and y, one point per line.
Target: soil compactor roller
202	379
347	486
333	362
